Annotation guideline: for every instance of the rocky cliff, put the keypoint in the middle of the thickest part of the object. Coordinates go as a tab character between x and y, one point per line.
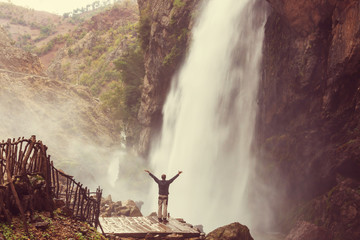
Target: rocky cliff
308	128
165	33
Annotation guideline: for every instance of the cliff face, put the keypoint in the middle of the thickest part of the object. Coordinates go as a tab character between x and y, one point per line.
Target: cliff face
309	97
165	31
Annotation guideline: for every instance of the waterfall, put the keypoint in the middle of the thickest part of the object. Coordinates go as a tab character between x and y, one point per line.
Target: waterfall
209	116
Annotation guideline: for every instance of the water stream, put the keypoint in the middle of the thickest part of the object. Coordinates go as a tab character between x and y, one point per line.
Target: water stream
209	116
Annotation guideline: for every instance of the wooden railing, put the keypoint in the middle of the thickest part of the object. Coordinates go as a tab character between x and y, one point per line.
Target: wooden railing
83	204
28	157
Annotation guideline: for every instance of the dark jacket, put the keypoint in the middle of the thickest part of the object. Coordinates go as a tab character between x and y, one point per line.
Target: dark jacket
163	184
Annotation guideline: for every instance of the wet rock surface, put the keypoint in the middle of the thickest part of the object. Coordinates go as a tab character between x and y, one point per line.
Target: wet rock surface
307	126
308	231
337	212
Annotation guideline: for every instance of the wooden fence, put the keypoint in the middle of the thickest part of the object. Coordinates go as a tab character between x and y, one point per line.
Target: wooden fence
28	157
83	204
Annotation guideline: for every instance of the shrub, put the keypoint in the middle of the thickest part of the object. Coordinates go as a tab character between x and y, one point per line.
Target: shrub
178	3
123	98
144	29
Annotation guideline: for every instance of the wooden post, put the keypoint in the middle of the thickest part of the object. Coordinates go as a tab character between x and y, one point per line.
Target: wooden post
53	176
57	183
66	193
16	163
27	155
98	203
75	197
79	201
82	204
48	181
1	166
17	200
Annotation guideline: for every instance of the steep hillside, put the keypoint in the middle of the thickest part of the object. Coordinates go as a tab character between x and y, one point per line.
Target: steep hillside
308	127
14	59
64	115
165	34
103	54
41	32
31	29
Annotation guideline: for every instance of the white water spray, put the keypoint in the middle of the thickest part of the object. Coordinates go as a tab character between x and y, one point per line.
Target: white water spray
209	116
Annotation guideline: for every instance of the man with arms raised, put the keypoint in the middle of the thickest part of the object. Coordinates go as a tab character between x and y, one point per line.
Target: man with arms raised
163	194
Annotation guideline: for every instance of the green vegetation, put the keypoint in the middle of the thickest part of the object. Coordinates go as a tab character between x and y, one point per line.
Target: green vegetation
177	51
17	21
50	45
45	31
116	82
60	227
178	3
7	230
24	42
123	98
144	28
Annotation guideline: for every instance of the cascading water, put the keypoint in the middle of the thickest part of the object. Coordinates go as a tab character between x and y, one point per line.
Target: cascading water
209	116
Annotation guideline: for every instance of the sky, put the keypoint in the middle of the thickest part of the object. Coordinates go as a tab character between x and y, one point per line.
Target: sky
52	6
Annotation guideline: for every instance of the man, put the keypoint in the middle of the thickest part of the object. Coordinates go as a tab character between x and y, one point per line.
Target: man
163	194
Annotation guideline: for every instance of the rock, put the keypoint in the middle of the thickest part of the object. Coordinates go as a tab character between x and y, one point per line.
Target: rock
42	225
124	211
107	200
59	203
67	211
307	231
129	203
337	211
302	15
135	212
126	208
233	231
307	123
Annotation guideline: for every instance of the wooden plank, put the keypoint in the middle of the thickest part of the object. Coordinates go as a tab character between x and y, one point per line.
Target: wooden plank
140	226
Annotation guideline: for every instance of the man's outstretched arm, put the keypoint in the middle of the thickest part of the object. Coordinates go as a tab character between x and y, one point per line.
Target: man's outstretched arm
172	179
151	175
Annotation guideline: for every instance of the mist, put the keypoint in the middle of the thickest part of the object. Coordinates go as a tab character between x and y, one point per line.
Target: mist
80	139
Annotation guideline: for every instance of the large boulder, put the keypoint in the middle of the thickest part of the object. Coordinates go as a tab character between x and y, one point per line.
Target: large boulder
233	231
134	211
127	208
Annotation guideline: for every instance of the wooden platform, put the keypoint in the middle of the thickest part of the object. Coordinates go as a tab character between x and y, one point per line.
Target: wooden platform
139	227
